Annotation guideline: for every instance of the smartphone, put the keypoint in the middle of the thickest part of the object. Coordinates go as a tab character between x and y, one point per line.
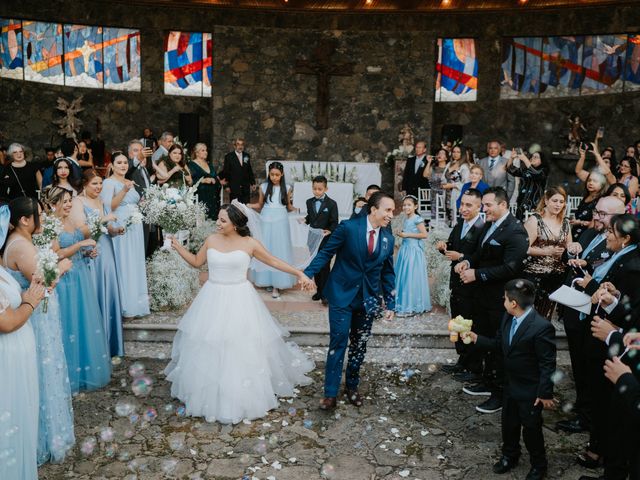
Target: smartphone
147	143
519	151
600	132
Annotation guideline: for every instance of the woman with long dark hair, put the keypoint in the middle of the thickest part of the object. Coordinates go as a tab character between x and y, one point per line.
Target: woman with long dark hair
173	169
595	186
274	204
229	361
55	424
62	177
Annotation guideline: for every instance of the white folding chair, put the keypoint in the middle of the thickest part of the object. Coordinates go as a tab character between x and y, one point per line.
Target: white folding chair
513	208
441	208
424	202
572	203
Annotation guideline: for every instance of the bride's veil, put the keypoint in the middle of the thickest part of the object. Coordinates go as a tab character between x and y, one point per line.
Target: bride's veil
305	241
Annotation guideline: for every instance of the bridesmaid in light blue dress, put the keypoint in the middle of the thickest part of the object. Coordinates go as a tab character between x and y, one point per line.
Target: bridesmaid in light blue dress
55	427
276	233
18	374
412	279
85	343
120	197
103	267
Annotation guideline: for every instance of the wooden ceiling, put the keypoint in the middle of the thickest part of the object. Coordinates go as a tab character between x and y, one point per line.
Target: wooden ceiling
376	6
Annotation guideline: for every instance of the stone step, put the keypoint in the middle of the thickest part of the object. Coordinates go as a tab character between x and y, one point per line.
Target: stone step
308	324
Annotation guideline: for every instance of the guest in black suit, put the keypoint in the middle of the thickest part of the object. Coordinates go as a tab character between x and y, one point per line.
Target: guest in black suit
413	178
364	211
526	344
619	274
462	243
141	176
322	213
499	258
591	251
238	174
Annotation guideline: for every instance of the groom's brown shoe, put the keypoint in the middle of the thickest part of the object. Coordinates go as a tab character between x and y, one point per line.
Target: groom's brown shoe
354	397
328	403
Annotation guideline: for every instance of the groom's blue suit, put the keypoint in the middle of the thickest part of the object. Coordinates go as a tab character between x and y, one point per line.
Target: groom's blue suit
353	290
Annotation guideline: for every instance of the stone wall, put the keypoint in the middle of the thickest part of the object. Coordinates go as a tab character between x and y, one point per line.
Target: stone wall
258	95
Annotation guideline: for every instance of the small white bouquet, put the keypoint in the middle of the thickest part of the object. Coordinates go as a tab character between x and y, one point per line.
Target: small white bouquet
96	226
51	229
135	217
47	267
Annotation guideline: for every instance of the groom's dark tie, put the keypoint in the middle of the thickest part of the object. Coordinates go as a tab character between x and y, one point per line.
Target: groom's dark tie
372	236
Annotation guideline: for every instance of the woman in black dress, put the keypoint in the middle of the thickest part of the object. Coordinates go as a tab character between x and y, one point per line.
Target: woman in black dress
209	187
19	178
594	188
533	173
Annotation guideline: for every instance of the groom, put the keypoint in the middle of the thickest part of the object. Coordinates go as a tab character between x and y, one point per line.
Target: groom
363	269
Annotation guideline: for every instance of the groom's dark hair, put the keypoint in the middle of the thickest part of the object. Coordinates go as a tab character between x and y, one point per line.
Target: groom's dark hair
376	198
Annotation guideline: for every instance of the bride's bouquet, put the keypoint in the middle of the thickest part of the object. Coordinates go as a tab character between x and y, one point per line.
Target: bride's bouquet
173	209
51	229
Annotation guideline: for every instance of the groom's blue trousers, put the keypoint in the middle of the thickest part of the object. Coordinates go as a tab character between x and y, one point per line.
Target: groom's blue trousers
348	326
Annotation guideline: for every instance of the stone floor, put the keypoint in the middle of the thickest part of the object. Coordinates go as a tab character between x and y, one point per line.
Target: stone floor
416	424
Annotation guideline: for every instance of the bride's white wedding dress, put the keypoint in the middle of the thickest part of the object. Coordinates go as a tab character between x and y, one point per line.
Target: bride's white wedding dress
229	361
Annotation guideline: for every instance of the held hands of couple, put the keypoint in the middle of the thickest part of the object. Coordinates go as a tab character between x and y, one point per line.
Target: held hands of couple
306	283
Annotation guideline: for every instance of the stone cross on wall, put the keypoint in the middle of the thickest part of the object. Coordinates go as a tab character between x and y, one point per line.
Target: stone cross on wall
321	65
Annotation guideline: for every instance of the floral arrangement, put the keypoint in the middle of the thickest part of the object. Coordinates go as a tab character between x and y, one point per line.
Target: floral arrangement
173	209
172	282
199	233
96	226
47	267
439	268
51	229
333	172
135	217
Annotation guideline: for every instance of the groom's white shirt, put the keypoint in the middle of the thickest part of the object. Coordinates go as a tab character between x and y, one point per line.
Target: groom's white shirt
375	236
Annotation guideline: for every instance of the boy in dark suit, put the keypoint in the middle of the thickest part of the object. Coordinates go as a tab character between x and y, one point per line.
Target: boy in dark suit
322	213
526	343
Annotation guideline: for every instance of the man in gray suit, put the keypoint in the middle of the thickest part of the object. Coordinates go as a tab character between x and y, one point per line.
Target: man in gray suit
494	167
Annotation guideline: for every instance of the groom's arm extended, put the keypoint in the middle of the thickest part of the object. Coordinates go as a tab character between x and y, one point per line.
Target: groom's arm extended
327	252
389	282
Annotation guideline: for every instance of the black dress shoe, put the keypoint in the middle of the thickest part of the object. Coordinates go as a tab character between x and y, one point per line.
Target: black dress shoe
536	473
493	405
316	297
574	425
504	464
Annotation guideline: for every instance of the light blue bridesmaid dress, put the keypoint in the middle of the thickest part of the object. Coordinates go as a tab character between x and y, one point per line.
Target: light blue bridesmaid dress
412	279
18	392
129	252
105	276
276	236
85	343
55	426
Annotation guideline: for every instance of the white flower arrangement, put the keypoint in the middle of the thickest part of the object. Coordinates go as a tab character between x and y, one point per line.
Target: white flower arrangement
96	226
173	209
47	267
439	268
51	229
332	171
172	282
199	233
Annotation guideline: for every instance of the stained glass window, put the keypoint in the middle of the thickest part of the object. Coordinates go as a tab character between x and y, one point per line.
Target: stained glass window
11	56
187	63
121	55
456	70
42	50
83	56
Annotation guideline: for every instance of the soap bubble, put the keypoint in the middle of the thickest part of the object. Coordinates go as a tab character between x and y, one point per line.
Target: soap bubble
107	434
260	447
151	414
88	446
136	369
124	408
169	465
181	411
307	424
141	386
292	411
328	471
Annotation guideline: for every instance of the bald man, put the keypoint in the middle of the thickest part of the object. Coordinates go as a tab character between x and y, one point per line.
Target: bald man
591	251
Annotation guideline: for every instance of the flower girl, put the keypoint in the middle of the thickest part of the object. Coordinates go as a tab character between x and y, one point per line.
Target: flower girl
412	279
274	203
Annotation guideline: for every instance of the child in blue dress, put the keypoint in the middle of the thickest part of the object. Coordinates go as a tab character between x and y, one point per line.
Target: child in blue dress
412	279
274	203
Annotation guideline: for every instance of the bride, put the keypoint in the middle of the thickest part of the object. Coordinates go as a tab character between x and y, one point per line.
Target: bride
229	361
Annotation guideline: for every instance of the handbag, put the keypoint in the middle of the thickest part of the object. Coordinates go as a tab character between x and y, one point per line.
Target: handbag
572	298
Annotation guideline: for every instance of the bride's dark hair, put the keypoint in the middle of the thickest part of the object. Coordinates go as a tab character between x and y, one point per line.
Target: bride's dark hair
238	219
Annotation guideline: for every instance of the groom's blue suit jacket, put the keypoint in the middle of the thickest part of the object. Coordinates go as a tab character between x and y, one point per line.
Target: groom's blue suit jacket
355	271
